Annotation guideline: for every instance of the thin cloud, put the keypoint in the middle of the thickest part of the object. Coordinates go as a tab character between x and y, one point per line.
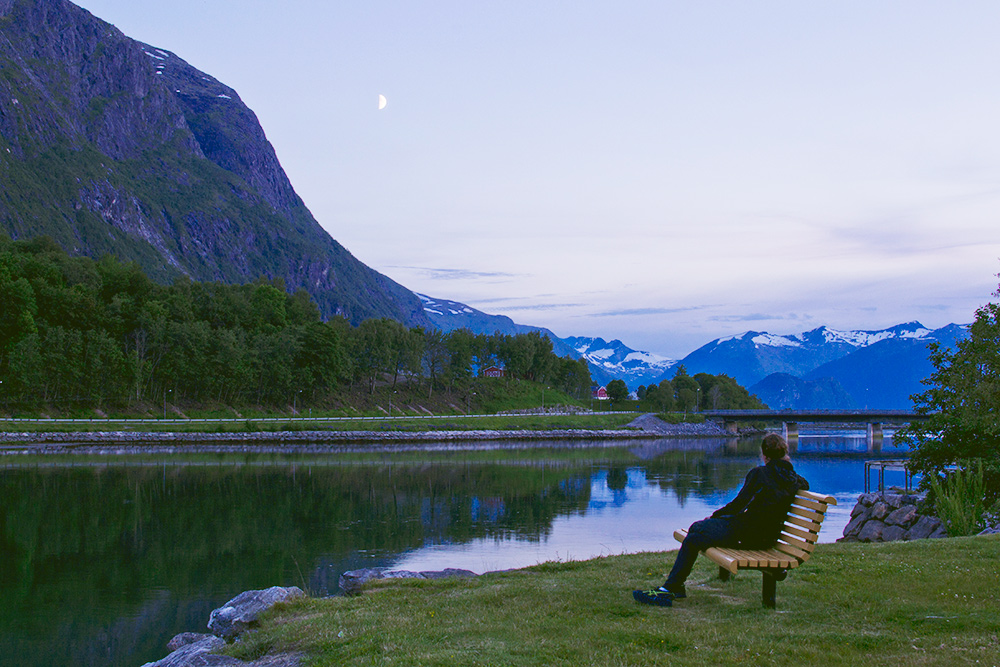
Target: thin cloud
459	274
626	312
754	317
544	306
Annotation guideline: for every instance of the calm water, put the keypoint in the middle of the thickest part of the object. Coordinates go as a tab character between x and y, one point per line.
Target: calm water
101	565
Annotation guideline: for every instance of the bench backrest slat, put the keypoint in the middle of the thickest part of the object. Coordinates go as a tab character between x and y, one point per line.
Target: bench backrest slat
808	514
801	501
803	523
818	497
797	543
807	535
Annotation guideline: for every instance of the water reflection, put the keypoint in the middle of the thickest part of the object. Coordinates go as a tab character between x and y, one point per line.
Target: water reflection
102	564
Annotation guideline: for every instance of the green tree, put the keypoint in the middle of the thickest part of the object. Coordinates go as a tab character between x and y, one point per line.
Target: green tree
962	404
436	357
686	390
617	390
461	344
665	391
721	392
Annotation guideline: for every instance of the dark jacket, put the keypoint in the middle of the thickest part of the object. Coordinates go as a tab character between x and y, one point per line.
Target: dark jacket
759	509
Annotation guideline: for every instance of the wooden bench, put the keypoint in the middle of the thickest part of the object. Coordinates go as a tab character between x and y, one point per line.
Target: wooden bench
796	544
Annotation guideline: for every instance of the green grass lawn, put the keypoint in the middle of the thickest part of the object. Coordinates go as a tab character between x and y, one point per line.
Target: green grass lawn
932	602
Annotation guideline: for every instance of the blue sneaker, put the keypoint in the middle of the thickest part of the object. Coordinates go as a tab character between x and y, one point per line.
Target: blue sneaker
658	596
677	590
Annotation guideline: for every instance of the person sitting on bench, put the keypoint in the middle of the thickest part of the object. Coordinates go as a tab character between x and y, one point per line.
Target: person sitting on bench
753	519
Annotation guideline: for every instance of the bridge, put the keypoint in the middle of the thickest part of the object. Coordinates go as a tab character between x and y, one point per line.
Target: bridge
790	419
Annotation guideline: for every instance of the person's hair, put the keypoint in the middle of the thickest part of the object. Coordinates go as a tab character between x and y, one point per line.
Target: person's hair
773	447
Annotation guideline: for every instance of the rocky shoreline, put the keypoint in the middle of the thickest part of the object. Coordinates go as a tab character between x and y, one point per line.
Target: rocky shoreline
128	442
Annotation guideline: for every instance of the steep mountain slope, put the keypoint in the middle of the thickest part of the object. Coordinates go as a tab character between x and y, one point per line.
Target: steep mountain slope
112	146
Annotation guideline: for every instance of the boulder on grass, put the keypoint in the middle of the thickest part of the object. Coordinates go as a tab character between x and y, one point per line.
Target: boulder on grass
240	613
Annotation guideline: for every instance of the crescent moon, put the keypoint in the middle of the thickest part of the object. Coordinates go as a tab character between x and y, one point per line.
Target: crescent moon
381	102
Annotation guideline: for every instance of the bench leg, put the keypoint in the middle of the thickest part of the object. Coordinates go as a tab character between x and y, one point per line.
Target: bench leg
769	586
724	574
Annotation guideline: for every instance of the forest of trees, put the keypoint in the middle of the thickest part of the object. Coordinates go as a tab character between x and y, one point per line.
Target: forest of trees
703	391
79	332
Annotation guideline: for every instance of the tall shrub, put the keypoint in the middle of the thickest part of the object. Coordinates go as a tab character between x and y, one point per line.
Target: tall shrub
962	405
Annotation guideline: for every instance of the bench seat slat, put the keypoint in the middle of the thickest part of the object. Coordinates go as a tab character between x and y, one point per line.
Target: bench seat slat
798	554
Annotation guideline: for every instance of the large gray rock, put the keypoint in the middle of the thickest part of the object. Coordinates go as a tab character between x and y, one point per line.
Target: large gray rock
198	654
893	533
893	500
352	581
237	615
926	527
185	638
904	516
852	528
872	531
881	510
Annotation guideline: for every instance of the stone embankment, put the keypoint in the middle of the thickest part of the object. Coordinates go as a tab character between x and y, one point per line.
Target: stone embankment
125	442
353	581
887	517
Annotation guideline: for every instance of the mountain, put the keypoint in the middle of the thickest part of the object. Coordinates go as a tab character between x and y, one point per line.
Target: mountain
876	369
607	361
111	146
890	369
616	360
781	391
449	315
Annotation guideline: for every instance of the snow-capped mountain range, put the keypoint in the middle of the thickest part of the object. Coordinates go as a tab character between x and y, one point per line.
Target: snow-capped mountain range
827	368
820	368
753	355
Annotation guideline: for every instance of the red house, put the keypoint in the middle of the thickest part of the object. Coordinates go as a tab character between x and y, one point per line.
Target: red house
600	393
492	372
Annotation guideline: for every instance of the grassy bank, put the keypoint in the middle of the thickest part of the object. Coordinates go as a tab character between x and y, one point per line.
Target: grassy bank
474	396
932	602
331	423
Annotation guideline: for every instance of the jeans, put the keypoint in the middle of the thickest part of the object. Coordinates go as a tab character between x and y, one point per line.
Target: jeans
718	532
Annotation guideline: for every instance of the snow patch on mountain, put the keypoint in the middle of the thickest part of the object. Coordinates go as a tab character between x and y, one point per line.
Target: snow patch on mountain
634	367
775	341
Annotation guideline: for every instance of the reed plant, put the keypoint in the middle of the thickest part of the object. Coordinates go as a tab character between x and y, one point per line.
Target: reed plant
960	499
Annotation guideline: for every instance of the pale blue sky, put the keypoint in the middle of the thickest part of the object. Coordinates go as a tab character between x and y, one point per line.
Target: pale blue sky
662	172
